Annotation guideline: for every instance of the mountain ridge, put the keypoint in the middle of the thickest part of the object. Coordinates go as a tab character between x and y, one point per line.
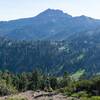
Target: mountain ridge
49	9
53	43
47	24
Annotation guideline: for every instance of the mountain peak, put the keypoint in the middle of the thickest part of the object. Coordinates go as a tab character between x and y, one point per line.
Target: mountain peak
54	12
85	18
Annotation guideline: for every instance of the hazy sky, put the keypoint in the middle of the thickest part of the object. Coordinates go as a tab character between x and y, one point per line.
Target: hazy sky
14	9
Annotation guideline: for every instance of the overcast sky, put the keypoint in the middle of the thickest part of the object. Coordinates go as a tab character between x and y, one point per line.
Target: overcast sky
14	9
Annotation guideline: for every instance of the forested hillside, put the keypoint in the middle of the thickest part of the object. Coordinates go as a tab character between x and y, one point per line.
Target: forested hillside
52	42
53	57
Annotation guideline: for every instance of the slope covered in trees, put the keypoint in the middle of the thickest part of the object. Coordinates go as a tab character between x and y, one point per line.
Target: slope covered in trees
52	42
53	57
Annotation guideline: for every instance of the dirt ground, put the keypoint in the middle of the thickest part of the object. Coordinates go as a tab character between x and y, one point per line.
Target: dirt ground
39	95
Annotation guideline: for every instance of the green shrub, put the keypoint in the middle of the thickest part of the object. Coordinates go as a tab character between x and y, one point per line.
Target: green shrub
92	98
95	98
6	88
80	94
67	90
61	90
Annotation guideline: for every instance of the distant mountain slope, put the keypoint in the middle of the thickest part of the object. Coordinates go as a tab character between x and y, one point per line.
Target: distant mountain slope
50	24
68	43
53	57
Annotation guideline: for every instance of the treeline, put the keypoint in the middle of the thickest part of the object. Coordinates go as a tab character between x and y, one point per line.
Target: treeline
53	57
11	83
83	87
19	56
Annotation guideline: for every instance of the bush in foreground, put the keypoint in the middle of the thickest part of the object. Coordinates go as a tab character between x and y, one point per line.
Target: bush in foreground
92	98
6	88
